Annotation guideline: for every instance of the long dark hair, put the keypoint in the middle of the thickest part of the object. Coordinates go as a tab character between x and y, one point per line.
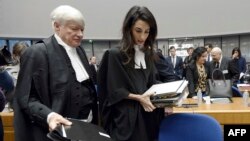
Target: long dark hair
236	49
197	53
127	42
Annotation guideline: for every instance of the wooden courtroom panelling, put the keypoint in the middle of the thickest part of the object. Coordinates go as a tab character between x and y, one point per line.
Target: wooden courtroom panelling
7	120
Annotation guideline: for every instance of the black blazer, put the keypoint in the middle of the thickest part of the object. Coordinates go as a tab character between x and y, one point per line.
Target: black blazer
186	62
192	76
178	68
165	71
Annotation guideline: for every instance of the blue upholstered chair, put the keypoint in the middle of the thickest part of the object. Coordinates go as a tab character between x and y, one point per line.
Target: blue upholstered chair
190	127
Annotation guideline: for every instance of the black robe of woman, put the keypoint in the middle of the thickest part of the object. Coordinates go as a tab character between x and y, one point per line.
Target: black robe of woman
124	119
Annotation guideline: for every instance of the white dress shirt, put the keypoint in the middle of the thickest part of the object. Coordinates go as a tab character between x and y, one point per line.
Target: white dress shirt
173	60
209	57
80	71
139	58
220	62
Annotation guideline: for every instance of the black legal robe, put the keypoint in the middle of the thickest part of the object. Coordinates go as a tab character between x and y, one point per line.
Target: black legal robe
45	79
122	118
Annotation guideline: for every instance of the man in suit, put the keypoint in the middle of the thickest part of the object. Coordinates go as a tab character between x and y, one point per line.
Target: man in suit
165	71
54	81
176	62
188	59
209	48
226	65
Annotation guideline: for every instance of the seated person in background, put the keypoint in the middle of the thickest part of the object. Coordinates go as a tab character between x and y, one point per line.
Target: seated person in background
6	81
165	71
198	72
5	56
176	62
241	61
229	67
18	50
187	60
6	86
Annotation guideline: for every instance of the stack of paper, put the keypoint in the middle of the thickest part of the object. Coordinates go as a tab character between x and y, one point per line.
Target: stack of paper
169	94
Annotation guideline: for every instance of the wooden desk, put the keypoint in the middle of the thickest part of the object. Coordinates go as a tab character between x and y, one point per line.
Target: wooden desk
243	87
7	120
232	113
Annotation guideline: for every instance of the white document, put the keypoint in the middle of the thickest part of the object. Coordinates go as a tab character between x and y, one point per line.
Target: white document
169	94
168	87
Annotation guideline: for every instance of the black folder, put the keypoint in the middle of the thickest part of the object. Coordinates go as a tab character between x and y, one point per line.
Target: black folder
79	131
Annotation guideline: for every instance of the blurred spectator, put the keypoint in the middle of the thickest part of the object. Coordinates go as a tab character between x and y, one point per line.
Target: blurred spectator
165	71
93	68
6	86
241	61
13	69
229	67
187	60
6	80
18	50
209	47
198	72
5	57
176	62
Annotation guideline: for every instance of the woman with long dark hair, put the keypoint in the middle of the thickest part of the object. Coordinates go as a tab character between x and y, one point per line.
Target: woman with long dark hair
241	61
125	73
198	72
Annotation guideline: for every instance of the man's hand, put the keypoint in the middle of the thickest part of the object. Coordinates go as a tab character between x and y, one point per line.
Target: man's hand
55	120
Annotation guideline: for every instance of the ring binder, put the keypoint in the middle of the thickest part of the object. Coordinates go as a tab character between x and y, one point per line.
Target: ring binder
168	94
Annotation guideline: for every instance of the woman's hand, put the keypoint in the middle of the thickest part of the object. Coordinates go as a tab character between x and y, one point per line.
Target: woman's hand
235	56
146	103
